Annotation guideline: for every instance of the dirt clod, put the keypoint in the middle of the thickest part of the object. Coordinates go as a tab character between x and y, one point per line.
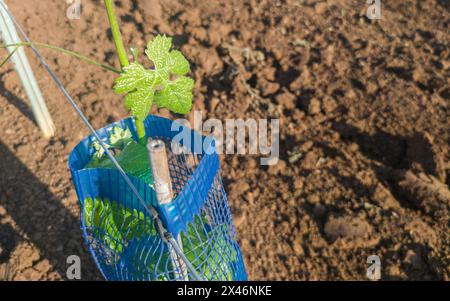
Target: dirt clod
314	106
424	191
286	99
346	227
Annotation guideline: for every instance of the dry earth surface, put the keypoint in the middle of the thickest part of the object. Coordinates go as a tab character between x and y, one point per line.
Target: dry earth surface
364	140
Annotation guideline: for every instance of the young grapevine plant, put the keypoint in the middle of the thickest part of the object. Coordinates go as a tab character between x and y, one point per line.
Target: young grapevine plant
167	86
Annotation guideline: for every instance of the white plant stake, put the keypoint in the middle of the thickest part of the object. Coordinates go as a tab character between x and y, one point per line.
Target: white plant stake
9	35
164	194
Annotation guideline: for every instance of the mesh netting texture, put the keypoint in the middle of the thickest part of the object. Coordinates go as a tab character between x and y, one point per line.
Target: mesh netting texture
123	238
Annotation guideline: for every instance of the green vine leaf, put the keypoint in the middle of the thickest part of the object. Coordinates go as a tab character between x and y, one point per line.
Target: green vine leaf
166	85
176	96
133	77
178	64
120	138
139	102
99	151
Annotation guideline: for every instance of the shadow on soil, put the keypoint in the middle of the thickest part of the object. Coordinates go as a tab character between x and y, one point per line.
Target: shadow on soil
41	216
15	100
9	239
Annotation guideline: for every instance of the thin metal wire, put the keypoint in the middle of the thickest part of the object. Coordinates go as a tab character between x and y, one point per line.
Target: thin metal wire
165	235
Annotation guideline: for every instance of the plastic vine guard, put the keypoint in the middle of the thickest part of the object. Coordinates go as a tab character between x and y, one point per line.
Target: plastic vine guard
122	238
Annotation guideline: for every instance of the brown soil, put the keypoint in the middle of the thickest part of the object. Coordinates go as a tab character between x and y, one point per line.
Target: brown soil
363	105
